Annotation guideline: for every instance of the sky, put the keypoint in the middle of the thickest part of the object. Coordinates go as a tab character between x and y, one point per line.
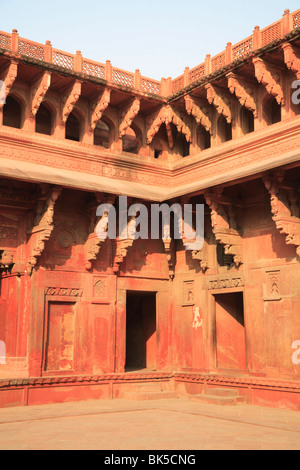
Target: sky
159	37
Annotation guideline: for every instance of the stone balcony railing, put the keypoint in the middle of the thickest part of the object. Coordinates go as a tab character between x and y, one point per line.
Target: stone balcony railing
165	87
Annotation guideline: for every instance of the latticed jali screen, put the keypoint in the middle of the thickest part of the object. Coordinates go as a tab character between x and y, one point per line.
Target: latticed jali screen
5	41
122	78
31	49
151	86
93	69
242	49
271	34
197	73
63	60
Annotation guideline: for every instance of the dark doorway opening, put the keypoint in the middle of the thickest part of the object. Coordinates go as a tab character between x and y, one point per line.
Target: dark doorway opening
141	347
230	331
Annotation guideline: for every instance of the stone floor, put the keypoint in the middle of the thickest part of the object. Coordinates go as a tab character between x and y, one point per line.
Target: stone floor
175	424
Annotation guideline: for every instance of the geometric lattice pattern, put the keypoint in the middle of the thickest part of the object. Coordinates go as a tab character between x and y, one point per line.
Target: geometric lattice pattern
150	86
242	49
218	62
63	60
271	34
122	78
5	42
31	49
197	73
93	69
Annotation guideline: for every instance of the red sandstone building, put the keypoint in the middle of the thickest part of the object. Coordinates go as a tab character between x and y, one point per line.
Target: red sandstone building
83	319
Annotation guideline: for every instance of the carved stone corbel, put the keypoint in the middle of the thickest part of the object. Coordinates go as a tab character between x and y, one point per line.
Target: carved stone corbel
243	92
127	116
43	227
224	227
99	108
188	237
6	259
38	92
291	59
221	102
72	98
171	258
8	79
167	115
266	75
200	113
123	243
287	223
98	232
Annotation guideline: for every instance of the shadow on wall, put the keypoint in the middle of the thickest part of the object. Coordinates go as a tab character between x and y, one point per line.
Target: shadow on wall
2	353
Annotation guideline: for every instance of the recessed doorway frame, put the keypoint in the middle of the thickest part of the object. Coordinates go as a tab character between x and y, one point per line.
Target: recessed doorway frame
213	360
163	320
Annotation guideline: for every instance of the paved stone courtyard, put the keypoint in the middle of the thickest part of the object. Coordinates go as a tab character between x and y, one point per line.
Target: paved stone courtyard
177	424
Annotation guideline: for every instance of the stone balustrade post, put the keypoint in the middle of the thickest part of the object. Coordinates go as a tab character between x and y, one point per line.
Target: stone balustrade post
15	41
287	22
186	77
108	71
228	53
257	42
137	80
208	68
78	62
48	52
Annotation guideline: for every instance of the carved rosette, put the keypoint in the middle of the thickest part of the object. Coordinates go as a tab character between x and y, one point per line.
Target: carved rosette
224	230
41	232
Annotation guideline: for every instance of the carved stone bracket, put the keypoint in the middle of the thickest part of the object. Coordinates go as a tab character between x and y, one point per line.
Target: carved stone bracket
291	59
128	115
287	223
224	227
167	115
43	228
9	78
243	92
170	252
71	100
221	102
6	259
200	113
266	75
197	255
39	91
124	242
98	233
99	108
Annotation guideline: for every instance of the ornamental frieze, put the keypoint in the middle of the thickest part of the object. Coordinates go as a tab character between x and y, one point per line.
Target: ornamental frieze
65	292
225	283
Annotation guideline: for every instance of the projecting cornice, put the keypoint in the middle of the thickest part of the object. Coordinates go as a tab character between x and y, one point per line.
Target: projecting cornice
38	158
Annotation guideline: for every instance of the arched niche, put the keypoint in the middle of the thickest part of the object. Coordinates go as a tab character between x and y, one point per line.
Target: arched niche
13	112
224	130
203	138
44	119
104	133
271	110
247	120
74	126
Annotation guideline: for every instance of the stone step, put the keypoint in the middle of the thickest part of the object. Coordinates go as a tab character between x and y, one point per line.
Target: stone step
219	396
222	392
150	395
